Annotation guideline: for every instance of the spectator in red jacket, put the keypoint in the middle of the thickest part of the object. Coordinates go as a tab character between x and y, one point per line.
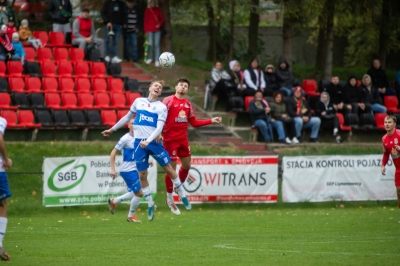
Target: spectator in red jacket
153	20
10	28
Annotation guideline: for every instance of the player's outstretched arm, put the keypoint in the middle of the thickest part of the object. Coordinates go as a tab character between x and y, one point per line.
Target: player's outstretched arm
199	123
113	154
118	125
7	162
383	170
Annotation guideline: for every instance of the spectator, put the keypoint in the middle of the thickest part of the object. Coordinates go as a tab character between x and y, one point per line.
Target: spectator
6	12
19	52
338	95
132	25
237	76
254	79
355	97
284	77
379	79
61	12
221	83
279	113
327	112
260	114
299	109
10	28
153	20
6	47
371	95
25	35
270	79
113	15
83	32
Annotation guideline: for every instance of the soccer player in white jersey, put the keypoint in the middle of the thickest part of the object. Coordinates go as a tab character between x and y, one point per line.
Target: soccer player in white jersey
5	163
149	122
130	175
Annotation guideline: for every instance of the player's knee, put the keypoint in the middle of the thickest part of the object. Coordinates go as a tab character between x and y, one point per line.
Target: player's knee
139	194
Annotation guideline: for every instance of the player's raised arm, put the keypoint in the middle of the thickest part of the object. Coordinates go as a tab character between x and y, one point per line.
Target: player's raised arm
121	122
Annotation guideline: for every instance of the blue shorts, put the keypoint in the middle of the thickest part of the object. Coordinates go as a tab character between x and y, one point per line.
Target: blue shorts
4	188
132	181
154	149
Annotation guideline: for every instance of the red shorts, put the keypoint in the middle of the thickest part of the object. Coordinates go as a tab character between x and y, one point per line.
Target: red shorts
397	179
177	149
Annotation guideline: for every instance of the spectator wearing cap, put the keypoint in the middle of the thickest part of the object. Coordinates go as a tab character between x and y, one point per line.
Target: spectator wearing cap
19	52
6	12
25	35
299	109
61	12
83	32
10	27
132	26
270	81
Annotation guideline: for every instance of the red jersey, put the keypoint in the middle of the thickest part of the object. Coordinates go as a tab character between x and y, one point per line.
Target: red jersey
180	112
391	146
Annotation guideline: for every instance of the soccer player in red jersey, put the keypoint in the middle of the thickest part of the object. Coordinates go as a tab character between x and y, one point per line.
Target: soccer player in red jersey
391	142
175	137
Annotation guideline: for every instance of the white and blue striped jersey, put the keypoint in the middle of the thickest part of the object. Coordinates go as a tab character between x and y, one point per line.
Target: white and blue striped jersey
147	115
3	125
125	145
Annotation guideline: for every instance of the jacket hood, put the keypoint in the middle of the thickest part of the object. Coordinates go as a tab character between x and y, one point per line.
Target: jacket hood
232	63
283	60
269	66
329	98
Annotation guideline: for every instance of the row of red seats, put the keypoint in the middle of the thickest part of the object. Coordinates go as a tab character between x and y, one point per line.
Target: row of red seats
64	84
83	100
57	54
57	39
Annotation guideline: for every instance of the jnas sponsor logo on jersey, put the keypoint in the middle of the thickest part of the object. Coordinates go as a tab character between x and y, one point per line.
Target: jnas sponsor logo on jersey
146	118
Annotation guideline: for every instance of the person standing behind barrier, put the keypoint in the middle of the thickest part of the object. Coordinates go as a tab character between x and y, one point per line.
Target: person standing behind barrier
153	20
113	14
61	12
5	163
132	25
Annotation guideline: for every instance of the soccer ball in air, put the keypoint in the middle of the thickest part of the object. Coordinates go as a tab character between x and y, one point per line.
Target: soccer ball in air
167	59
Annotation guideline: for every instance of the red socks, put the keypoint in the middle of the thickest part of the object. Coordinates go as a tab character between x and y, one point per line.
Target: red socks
183	173
168	184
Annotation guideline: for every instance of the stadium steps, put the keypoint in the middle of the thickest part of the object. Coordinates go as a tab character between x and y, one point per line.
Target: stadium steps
132	71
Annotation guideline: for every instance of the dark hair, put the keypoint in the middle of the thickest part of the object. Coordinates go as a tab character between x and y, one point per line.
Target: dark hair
183	79
278	93
217	63
85	9
392	117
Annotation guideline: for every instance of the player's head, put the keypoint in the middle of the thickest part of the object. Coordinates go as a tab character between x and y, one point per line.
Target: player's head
156	87
390	123
182	86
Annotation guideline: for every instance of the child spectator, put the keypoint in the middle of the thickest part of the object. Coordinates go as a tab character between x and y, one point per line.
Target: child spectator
25	35
327	112
10	28
270	80
7	49
19	53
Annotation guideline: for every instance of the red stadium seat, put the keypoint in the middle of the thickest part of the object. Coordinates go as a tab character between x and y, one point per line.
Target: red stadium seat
52	99
42	35
69	100
11	117
3	69
15	69
57	39
85	100
118	100
16	84
310	87
380	120
48	69
115	85
66	84
82	84
108	117
60	54
121	113
99	84
27	119
44	54
64	69
50	84
102	100
98	69
30	53
391	103
33	84
5	101
81	69
76	54
132	96
341	123
247	101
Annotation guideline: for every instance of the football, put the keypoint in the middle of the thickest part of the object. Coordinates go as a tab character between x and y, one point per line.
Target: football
167	60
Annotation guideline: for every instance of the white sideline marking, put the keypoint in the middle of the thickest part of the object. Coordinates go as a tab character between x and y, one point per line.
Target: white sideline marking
298	251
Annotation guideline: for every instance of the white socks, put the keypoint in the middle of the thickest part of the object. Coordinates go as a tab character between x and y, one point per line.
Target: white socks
178	185
3	226
126	196
134	204
335	131
169	198
147	196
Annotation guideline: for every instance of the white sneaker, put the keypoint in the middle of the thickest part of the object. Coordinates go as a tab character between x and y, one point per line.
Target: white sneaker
295	140
288	140
116	60
148	61
107	58
157	64
174	209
